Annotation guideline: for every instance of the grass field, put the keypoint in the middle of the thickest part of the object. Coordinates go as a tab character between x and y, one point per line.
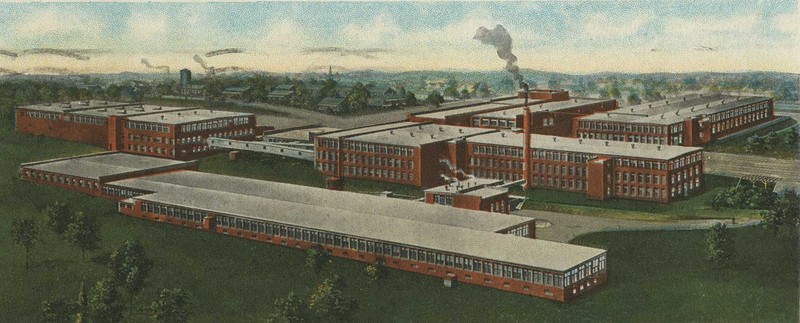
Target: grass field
736	145
654	276
696	207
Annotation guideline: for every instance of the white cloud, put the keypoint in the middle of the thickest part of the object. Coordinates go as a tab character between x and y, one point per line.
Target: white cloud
283	34
383	29
54	22
147	26
603	26
788	23
706	24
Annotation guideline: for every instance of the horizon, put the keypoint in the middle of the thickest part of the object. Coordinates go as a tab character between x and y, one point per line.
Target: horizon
293	37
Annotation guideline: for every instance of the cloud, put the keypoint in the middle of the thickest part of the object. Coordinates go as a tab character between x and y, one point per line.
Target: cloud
147	26
707	24
381	30
603	26
341	51
283	34
49	22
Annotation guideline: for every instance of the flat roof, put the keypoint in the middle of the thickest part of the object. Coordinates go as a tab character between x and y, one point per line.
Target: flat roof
590	146
187	116
459	240
102	165
480	108
418	134
542	107
128	110
345	201
73	106
362	130
676	109
299	134
472	186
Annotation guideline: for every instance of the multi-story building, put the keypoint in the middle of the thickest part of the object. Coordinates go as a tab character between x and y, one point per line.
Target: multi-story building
405	152
182	134
692	120
169	132
601	169
486	249
547	118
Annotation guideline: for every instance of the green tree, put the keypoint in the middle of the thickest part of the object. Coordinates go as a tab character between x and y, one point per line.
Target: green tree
719	245
785	212
24	232
57	310
633	98
411	99
376	271
83	304
755	144
434	98
329	303
83	233
451	91
483	90
105	304
290	309
59	216
171	306
130	268
317	258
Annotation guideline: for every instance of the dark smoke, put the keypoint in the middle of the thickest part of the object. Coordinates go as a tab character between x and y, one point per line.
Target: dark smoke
8	53
341	51
49	70
227	69
162	67
200	60
59	52
501	40
224	51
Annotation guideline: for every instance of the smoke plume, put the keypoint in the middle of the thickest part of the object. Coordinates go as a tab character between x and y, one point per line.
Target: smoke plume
8	53
341	51
59	52
162	67
224	51
501	40
228	69
200	60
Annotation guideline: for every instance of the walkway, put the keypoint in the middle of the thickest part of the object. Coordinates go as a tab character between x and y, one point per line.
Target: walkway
565	227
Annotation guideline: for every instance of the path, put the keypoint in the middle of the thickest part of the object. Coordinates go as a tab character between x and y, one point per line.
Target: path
565	227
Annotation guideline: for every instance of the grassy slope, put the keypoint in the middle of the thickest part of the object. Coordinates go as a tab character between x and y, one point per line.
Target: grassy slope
736	145
693	208
232	280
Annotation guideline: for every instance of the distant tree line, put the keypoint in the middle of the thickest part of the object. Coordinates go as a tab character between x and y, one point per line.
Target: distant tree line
774	141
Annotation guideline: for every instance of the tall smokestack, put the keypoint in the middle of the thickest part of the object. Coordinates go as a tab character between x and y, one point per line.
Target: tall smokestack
526	153
501	40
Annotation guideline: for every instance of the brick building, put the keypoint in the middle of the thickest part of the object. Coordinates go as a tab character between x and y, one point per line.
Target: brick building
169	132
692	120
473	194
486	249
600	169
405	152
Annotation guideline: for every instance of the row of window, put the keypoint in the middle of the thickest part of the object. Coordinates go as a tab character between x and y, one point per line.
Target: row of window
733	123
638	163
151	139
379	173
686	160
502	123
42	115
138	125
376	148
215	124
62	179
120	192
484	173
560	183
585	270
764	106
86	119
175	212
377	161
395	251
633	178
612	126
656	140
521	231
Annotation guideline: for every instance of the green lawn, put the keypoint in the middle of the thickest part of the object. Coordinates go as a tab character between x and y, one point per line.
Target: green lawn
654	276
696	207
736	145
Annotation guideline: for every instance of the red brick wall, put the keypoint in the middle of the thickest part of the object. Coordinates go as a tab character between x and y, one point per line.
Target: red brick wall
93	134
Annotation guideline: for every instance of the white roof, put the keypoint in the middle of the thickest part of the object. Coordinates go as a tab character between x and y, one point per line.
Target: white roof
346	201
188	116
128	110
591	146
468	242
418	134
101	165
475	109
472	186
541	107
299	134
674	110
73	106
359	131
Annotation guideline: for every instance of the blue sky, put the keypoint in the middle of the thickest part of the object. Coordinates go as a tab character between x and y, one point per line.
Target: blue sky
574	36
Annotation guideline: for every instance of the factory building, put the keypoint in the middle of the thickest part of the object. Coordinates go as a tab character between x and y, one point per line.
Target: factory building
692	120
553	112
473	194
404	153
169	132
486	249
601	169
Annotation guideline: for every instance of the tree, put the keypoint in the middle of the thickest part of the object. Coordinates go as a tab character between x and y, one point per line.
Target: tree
434	98
59	216
317	258
83	304
785	212
83	233
106	305
376	271
171	306
451	91
328	301
633	98
24	232
411	99
58	310
130	267
483	90
719	245
290	309
755	144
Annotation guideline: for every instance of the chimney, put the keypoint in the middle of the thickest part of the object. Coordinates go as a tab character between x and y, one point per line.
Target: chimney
631	110
391	132
162	117
576	100
633	146
503	134
526	147
684	98
662	116
420	127
658	147
555	139
460	130
650	106
441	129
667	102
580	140
606	143
195	111
432	136
411	133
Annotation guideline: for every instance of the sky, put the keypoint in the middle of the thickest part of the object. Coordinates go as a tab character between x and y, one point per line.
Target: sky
558	36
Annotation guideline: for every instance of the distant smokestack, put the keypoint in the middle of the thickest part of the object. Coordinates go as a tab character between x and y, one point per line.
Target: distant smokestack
501	40
526	152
